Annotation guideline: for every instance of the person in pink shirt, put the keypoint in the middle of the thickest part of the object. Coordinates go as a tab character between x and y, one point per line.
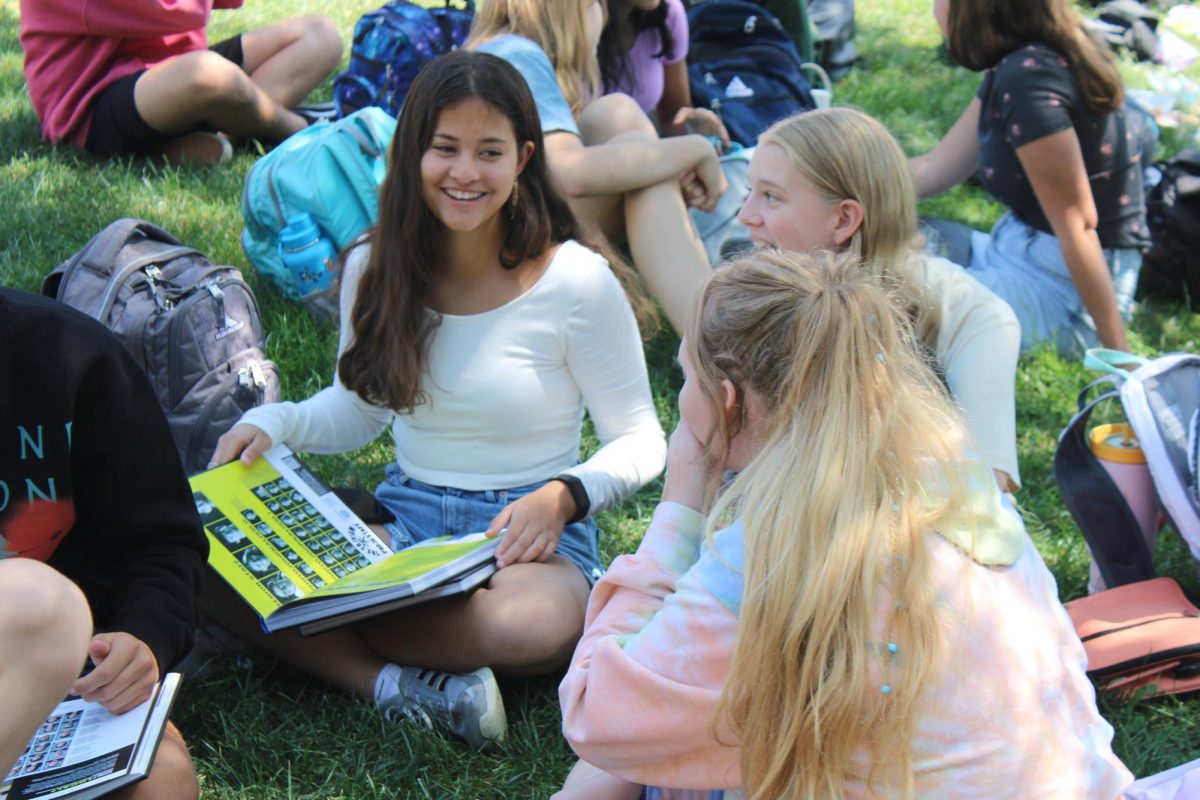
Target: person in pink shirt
119	77
833	599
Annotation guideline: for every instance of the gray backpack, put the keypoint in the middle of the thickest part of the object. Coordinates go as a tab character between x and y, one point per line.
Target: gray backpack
193	326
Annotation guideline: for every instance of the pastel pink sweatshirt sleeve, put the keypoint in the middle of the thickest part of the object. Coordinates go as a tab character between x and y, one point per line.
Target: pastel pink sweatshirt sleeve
643	686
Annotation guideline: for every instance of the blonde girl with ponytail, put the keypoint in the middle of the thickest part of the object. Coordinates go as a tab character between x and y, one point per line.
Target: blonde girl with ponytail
832	600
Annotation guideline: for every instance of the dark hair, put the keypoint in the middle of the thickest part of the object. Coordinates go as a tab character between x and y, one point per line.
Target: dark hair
624	24
391	322
981	32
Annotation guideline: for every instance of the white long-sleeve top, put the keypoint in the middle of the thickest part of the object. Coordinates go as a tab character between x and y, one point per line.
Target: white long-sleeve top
507	390
978	342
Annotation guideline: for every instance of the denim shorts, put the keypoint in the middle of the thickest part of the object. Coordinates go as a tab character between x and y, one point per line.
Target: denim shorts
1025	267
425	512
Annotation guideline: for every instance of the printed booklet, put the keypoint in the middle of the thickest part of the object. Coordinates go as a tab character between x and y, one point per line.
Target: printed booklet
300	557
82	751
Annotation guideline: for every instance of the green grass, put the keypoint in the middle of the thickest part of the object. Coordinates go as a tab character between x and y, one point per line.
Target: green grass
258	729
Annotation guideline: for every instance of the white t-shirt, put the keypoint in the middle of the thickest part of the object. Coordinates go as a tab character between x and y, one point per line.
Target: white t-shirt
507	391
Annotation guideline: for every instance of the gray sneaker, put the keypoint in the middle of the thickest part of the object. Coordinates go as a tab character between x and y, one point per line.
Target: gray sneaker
466	704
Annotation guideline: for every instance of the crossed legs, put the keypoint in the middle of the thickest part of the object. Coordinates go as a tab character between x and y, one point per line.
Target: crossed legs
525	622
282	63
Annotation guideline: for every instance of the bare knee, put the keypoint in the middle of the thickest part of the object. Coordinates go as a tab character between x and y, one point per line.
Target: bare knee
529	633
207	82
612	115
172	775
323	42
45	617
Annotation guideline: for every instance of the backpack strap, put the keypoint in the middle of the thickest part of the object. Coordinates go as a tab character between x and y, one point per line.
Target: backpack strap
1101	359
1096	504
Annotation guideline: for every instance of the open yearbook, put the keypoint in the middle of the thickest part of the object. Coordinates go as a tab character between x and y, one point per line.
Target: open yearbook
300	557
82	751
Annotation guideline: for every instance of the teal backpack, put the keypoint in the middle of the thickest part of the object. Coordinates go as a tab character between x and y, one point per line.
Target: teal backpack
332	171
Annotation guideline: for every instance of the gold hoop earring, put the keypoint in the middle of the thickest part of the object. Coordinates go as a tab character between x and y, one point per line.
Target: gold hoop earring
514	199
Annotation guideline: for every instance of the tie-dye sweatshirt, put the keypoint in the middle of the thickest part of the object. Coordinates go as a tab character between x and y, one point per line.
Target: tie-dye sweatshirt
1008	714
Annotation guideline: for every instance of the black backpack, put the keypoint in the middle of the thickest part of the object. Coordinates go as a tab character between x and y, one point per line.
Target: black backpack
744	66
1171	268
194	327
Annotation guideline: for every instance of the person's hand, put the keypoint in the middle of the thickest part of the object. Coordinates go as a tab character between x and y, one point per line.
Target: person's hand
247	441
712	179
535	524
702	121
687	469
124	675
694	193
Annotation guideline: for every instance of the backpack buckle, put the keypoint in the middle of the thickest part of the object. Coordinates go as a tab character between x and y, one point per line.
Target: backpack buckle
154	277
750	24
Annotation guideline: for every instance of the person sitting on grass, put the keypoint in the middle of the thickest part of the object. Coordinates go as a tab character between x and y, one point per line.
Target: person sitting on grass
837	180
1048	135
857	612
116	77
478	326
90	484
618	175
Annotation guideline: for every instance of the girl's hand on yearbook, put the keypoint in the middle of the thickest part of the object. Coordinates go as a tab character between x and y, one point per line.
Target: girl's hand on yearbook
535	524
245	441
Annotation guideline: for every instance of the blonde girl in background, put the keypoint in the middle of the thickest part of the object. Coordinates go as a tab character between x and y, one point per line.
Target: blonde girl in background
858	612
618	175
837	180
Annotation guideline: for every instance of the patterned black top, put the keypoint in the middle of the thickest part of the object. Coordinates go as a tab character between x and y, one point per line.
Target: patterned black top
1031	94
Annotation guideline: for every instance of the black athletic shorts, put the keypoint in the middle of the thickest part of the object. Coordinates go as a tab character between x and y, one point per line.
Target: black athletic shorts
118	129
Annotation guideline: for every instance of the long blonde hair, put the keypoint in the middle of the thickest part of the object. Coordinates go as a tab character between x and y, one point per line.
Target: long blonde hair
556	26
835	514
845	154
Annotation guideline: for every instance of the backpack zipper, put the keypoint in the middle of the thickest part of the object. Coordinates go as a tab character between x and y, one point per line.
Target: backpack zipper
251	377
118	278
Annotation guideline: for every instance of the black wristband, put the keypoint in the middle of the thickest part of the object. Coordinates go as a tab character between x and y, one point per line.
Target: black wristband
583	503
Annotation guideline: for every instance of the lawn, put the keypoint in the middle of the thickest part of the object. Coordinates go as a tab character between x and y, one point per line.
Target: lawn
259	729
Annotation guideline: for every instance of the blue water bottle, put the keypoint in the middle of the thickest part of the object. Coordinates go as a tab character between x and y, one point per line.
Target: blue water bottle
309	256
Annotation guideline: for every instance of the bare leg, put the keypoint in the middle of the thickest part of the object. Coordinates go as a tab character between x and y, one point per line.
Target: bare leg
283	63
45	626
525	622
287	60
339	657
654	220
666	249
172	775
202	88
586	782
